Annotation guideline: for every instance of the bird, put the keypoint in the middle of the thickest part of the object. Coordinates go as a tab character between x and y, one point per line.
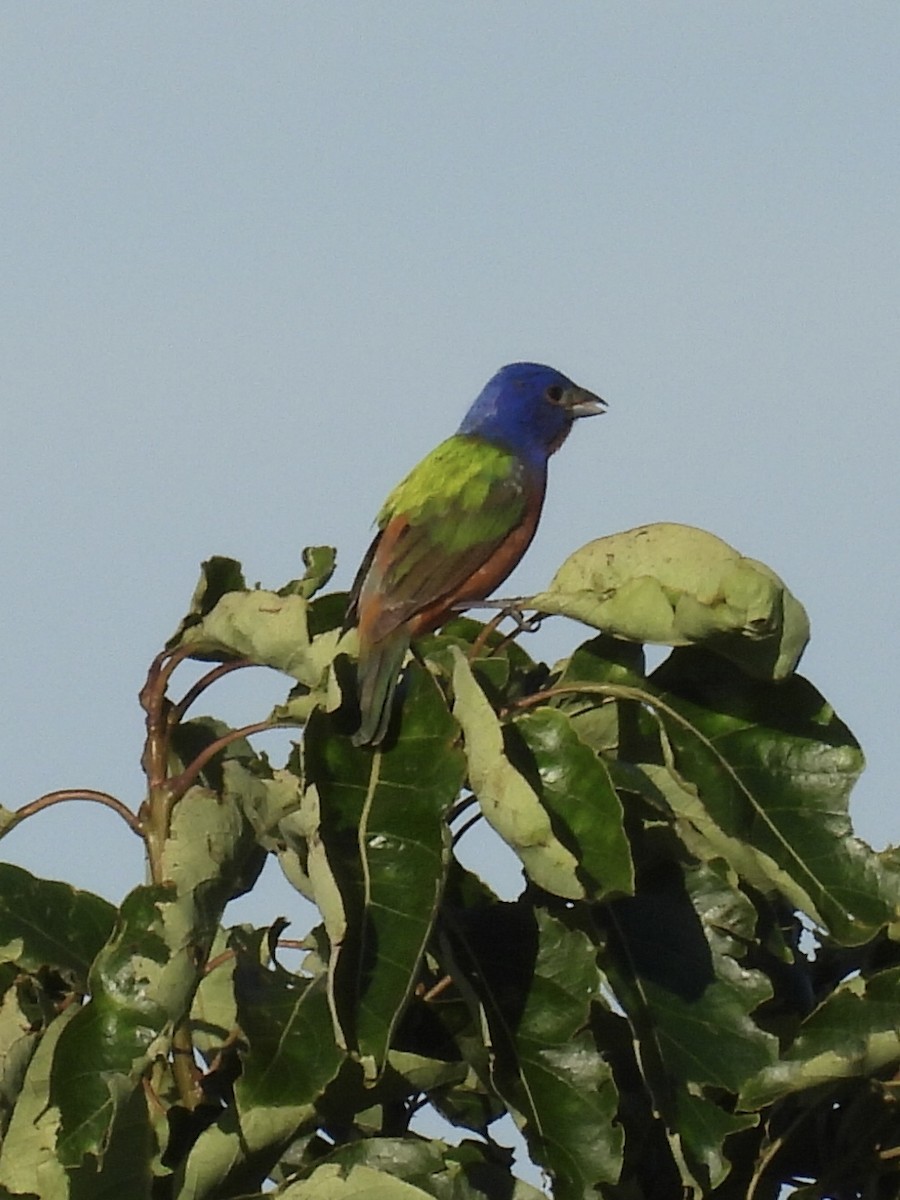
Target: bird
455	527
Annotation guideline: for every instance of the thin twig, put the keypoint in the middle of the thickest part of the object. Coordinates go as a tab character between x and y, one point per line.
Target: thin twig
436	989
177	711
485	633
51	798
179	784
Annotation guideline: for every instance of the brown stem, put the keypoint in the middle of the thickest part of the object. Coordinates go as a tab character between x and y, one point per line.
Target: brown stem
177	711
436	989
180	783
491	627
51	798
185	1071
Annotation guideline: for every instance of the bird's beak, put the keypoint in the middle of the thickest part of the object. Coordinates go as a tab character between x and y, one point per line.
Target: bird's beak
581	403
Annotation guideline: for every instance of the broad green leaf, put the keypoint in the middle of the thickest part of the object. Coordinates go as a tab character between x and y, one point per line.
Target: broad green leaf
853	1033
267	629
597	718
286	1020
290	1060
28	1157
470	1171
46	923
675	585
577	791
103	1050
535	999
125	1166
218	577
509	803
283	816
762	773
673	962
145	977
214	1008
383	846
330	1182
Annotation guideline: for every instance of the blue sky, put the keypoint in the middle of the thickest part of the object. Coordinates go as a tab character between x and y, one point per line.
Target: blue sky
257	259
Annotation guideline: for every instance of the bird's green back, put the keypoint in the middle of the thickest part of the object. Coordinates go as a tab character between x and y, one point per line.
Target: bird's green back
466	491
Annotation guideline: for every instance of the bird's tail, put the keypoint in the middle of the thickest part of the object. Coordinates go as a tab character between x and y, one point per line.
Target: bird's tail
378	671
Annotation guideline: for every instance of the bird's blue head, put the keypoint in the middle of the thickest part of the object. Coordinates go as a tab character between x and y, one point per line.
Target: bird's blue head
529	409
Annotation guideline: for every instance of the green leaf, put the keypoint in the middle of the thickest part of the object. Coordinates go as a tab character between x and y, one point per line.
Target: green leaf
267	629
28	1156
596	718
25	1011
509	803
287	1023
125	1166
577	791
218	577
762	774
470	1171
379	858
329	1182
103	1050
853	1033
319	562
46	923
674	964
290	1060
535	999
675	585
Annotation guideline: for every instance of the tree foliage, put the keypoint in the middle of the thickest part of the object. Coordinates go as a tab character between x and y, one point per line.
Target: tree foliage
695	994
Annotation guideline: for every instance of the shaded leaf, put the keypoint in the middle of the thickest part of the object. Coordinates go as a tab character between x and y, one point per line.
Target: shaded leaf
674	965
853	1033
763	773
28	1158
46	923
290	1059
379	858
597	718
470	1171
675	585
535	998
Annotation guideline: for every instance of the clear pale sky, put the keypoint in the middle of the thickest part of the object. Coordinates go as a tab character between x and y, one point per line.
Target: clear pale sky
258	258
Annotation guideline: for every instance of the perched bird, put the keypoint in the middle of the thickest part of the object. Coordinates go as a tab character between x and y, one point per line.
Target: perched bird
458	524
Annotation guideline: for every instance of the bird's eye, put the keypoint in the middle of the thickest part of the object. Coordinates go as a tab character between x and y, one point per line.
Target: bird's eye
554	393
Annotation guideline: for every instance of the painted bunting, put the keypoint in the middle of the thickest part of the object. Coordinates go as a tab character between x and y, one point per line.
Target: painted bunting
458	524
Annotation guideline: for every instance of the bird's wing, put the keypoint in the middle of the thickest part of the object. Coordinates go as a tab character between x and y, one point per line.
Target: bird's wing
444	533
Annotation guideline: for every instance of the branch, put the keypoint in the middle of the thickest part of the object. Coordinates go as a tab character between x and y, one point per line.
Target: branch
177	711
51	798
180	783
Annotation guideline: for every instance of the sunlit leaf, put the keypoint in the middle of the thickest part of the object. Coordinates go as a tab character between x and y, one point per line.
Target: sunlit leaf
577	791
675	585
508	801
